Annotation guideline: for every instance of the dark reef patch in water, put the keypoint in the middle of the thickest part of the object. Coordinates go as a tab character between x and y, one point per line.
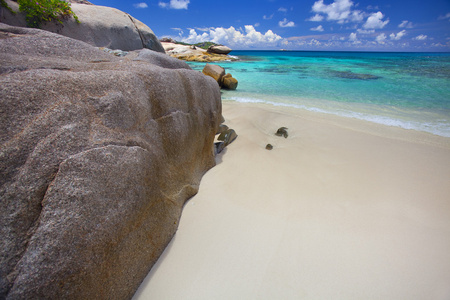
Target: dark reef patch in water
351	75
283	69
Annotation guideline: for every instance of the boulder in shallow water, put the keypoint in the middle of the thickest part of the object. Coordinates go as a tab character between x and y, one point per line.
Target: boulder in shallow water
229	83
214	71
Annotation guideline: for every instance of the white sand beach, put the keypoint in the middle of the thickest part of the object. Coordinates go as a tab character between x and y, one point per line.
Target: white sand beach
341	209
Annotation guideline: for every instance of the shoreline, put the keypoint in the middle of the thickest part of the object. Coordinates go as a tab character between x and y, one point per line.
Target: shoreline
436	123
341	209
350	122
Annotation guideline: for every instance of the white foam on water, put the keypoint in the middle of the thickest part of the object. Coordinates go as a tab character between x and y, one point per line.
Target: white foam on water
436	126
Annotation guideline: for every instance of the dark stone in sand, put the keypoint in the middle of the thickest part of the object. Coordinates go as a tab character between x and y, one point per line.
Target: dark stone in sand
282	131
222	128
219	147
269	147
227	136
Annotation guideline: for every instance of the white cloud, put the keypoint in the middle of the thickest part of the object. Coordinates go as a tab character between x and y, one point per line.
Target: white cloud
232	37
256	25
421	37
177	29
357	16
203	28
268	17
318	28
316	18
339	10
286	23
354	39
381	38
374	21
370	7
406	24
140	5
397	36
363	31
313	43
175	4
447	16
282	9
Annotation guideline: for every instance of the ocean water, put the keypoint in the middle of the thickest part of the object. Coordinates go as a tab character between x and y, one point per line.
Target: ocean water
408	90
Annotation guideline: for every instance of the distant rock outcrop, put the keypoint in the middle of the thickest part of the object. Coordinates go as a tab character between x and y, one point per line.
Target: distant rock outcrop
192	53
99	26
98	154
219	49
167	40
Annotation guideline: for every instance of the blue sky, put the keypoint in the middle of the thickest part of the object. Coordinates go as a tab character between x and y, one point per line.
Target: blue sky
359	25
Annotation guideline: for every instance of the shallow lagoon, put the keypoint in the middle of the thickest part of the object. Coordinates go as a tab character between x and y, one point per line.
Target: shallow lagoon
408	90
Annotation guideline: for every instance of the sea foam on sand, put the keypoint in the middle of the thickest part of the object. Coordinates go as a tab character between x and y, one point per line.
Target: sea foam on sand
341	209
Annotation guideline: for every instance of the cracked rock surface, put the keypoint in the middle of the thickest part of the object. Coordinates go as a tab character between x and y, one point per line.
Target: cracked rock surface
98	154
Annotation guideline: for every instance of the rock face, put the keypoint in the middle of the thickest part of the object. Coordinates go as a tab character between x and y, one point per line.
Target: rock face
80	1
98	154
219	49
99	26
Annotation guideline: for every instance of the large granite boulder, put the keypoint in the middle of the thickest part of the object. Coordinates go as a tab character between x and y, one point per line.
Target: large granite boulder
219	49
99	26
98	154
214	71
229	82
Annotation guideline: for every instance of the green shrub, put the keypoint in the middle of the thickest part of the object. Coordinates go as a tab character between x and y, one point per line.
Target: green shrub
39	11
205	45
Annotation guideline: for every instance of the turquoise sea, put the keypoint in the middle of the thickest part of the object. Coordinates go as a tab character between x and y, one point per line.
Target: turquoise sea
408	90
